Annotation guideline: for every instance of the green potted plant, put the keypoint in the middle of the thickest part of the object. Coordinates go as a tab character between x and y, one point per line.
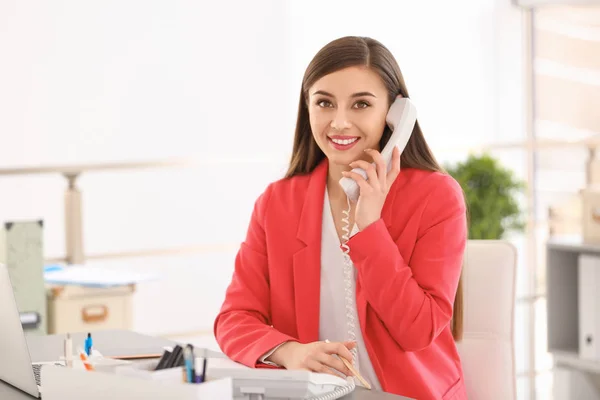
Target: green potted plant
491	193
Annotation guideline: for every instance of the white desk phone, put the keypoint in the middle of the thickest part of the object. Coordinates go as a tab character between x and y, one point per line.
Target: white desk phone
278	384
401	119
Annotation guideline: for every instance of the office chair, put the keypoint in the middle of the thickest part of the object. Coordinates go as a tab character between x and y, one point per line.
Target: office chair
487	347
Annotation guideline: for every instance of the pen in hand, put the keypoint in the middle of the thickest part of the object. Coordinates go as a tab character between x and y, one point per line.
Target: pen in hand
353	370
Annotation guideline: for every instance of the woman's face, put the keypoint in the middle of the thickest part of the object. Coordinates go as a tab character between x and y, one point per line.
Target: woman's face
347	111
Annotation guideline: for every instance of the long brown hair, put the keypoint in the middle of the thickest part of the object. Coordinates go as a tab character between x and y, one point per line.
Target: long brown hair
353	51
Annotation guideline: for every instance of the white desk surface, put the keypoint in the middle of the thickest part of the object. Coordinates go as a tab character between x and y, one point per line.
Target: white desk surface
121	343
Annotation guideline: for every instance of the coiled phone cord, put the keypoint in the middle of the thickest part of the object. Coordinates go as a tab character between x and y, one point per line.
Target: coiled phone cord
350	309
340	391
349	293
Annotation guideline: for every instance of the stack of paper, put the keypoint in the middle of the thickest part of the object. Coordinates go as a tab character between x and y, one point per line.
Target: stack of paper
93	276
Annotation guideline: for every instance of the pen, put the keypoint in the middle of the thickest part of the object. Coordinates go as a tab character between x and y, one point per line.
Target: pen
353	370
187	355
163	360
197	368
204	369
69	351
171	362
88	344
178	361
86	361
192	364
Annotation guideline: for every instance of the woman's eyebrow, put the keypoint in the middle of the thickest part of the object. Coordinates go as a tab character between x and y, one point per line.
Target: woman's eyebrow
358	94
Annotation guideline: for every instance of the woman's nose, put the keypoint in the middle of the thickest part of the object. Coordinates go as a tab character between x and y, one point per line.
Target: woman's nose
340	121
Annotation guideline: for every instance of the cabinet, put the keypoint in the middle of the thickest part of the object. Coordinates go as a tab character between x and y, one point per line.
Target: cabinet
574	375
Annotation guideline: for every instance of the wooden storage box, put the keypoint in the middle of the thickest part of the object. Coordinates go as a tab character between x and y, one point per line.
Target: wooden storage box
591	214
593	172
80	309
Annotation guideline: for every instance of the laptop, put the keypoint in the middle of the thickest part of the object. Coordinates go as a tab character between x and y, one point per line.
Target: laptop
16	367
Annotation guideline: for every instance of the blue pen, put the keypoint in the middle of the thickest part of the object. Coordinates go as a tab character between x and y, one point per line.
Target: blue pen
204	369
189	366
88	344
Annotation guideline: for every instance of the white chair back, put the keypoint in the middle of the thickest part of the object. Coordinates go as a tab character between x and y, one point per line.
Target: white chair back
487	347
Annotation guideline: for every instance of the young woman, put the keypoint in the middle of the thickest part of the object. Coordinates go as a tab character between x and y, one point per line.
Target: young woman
394	307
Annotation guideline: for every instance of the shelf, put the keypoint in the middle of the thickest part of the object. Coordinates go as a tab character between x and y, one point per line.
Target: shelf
541	143
77	169
572	359
572	243
563	294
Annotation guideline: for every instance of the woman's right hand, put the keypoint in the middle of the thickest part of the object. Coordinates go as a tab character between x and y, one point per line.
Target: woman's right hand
315	356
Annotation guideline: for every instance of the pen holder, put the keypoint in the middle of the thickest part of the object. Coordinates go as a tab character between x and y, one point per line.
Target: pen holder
97	362
146	370
67	383
76	363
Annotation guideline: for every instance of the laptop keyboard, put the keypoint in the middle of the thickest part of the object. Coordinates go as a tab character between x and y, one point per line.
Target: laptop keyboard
37	371
37	368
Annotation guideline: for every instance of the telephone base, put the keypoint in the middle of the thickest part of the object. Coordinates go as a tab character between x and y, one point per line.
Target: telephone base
277	384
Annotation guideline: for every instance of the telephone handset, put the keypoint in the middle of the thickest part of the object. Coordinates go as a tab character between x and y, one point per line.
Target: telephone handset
401	119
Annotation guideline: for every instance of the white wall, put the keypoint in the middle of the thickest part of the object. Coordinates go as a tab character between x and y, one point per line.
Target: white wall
137	80
103	80
445	53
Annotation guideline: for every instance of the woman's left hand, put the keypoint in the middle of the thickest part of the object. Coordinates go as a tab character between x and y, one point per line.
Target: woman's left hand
374	190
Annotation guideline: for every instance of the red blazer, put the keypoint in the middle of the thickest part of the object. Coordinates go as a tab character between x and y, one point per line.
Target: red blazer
408	263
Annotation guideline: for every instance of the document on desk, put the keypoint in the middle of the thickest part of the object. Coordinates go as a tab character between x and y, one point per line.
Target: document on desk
89	276
60	383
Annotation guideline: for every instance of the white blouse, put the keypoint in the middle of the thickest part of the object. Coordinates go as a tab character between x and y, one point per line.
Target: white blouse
332	312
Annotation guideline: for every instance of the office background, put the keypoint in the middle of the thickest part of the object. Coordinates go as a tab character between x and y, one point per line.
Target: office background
210	89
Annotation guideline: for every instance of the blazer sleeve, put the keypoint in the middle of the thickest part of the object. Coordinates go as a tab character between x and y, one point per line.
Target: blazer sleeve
414	298
242	327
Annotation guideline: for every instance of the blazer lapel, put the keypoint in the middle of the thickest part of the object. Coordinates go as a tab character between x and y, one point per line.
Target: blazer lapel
386	211
307	261
386	215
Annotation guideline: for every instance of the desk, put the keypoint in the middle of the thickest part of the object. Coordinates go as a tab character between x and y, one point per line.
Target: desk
117	342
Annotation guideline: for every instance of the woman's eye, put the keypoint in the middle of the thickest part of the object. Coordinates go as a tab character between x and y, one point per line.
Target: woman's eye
361	104
323	103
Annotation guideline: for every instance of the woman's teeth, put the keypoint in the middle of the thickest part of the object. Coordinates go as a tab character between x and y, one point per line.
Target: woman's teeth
344	141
